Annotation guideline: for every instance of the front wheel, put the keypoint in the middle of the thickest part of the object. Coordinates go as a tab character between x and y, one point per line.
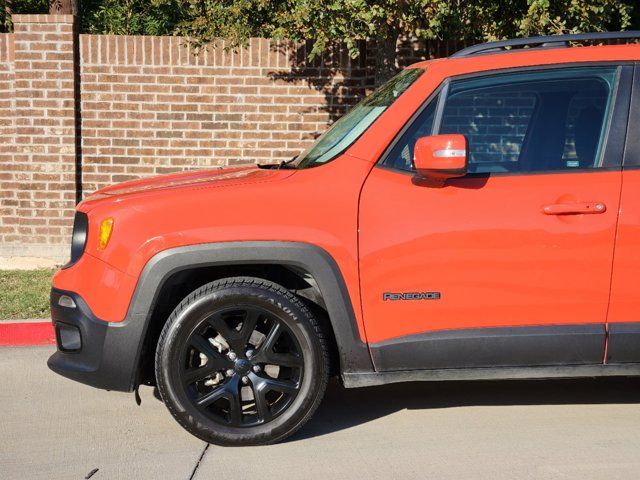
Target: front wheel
242	361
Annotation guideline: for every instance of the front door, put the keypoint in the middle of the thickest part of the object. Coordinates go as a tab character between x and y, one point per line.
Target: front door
510	265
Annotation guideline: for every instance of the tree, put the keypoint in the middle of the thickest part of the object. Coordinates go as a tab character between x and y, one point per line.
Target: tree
386	21
120	17
64	7
349	21
131	17
8	7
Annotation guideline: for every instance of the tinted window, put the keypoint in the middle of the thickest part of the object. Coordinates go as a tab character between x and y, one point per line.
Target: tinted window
553	119
494	122
532	121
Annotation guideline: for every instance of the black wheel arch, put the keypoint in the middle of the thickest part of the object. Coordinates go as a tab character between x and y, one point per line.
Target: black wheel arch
146	313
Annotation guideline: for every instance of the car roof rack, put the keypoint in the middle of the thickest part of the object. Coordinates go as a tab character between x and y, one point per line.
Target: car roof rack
547	41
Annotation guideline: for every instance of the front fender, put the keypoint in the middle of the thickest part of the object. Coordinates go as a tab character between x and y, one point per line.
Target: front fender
353	351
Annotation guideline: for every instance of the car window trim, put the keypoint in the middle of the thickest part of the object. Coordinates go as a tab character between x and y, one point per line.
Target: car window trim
442	100
618	117
632	146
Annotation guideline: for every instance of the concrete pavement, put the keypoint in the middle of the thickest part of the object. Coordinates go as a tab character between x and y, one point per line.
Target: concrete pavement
586	429
54	428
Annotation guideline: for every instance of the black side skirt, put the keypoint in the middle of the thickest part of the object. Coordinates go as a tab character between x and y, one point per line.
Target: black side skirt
353	380
624	343
493	347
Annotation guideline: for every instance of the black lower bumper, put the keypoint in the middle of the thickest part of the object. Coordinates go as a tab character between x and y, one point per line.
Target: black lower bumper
102	354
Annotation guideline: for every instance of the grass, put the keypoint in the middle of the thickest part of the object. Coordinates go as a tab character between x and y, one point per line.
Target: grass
25	293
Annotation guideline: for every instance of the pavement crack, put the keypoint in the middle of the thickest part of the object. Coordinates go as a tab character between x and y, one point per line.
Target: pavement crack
91	473
195	468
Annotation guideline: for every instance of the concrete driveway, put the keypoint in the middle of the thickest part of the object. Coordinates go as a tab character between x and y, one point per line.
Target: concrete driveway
589	429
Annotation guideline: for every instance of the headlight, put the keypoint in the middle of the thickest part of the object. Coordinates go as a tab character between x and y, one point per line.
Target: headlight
79	237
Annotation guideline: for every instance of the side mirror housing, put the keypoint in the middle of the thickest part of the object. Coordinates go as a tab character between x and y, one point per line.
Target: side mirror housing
440	157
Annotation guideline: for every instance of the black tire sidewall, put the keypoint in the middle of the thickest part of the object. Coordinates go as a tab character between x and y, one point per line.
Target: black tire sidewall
189	317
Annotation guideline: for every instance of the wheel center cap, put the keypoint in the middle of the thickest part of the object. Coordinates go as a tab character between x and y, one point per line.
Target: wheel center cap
242	366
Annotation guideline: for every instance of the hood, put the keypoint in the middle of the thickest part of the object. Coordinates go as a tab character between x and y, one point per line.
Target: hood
202	179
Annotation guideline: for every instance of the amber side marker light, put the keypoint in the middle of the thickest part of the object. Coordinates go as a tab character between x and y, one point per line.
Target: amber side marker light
106	227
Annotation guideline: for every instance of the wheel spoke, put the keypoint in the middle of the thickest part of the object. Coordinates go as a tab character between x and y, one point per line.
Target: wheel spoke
283	359
262	406
282	386
217	322
235	403
272	337
199	373
214	358
248	326
237	340
212	396
266	349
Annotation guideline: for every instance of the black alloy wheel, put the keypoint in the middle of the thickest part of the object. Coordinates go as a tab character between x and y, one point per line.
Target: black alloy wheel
242	366
242	361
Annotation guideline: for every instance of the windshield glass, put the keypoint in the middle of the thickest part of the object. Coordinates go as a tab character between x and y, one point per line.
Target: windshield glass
346	130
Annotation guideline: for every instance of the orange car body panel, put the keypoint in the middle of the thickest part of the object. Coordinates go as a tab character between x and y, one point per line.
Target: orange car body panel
318	206
625	288
321	206
487	247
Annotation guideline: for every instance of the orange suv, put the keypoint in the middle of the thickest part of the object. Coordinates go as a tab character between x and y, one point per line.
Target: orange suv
477	217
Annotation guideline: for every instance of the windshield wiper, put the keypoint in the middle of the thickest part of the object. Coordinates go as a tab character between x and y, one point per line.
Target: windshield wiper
277	166
284	163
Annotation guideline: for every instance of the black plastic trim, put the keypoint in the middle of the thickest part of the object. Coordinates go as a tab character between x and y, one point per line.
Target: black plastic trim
112	357
355	380
91	364
78	237
543	42
624	343
632	147
493	347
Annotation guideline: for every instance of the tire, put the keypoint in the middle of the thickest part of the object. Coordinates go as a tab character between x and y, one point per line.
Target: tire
242	361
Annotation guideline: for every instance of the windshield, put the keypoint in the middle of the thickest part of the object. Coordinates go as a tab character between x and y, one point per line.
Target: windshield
346	130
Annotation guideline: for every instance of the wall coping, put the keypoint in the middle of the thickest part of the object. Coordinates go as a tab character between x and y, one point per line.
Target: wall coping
42	18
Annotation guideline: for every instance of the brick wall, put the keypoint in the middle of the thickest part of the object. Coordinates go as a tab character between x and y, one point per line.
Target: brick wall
151	106
37	174
78	112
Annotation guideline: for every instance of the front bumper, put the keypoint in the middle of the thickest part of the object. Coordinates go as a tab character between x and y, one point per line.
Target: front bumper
104	356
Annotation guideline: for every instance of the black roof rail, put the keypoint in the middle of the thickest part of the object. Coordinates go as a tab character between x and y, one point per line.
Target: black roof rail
547	41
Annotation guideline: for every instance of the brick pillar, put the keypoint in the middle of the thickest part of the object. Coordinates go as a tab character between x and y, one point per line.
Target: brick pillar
44	161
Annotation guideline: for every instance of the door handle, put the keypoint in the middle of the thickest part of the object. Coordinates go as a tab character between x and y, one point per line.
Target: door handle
574	208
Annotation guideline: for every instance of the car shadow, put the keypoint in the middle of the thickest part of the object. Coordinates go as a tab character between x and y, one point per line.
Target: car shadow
345	408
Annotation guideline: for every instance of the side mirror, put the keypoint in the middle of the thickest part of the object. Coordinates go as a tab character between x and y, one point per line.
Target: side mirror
440	157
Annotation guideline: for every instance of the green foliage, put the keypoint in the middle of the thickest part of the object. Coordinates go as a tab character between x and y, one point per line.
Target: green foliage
28	6
130	17
325	21
233	20
20	6
349	21
120	17
571	16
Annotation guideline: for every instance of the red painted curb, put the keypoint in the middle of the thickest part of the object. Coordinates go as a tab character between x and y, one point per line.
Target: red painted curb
14	334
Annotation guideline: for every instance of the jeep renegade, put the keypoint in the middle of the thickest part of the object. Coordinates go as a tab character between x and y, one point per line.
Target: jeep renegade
476	217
